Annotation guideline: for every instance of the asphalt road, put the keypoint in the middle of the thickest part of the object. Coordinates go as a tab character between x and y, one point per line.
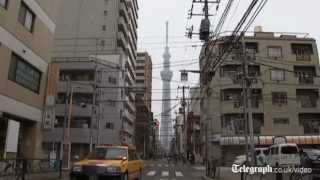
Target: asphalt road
162	170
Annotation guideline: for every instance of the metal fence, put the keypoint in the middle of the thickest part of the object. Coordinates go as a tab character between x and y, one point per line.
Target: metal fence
19	169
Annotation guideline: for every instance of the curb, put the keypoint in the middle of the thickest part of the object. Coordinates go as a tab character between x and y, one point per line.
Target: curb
206	178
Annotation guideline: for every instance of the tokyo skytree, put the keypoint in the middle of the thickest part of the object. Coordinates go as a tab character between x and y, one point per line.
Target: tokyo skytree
166	128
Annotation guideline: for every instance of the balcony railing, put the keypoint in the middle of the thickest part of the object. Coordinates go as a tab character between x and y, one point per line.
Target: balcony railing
303	57
306	80
254	104
308	103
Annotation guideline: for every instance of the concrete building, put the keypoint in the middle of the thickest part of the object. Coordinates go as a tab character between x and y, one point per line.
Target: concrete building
144	119
96	43
285	94
194	143
27	29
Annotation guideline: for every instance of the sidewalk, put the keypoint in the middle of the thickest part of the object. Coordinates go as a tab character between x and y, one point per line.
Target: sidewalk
41	176
225	173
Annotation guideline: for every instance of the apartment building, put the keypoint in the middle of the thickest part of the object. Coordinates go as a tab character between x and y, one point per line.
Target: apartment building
284	94
96	43
194	143
27	29
144	120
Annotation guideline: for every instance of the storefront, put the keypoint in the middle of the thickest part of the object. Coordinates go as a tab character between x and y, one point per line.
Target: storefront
17	136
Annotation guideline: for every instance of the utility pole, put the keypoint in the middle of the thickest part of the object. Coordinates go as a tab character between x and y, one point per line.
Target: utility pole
93	113
184	102
205	23
63	140
247	97
184	126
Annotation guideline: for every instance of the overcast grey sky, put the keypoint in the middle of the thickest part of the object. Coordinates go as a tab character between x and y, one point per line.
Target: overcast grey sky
278	16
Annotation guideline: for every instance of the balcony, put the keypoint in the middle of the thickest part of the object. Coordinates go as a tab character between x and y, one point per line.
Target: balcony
308	106
308	103
129	103
129	116
303	52
303	57
76	110
308	100
128	128
237	106
305	80
84	86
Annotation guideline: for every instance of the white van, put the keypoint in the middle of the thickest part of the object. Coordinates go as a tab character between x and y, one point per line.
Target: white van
284	155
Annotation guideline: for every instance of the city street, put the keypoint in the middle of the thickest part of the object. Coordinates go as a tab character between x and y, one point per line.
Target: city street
162	170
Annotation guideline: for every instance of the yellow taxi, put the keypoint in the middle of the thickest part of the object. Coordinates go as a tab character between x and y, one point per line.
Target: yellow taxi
109	162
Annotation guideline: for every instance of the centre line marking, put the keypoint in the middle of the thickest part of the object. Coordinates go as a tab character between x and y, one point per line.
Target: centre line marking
179	174
151	173
165	173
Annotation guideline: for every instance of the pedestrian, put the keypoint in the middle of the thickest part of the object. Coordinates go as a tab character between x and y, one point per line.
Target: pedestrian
214	163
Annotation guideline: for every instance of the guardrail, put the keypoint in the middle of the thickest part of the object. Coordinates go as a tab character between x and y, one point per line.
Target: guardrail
19	168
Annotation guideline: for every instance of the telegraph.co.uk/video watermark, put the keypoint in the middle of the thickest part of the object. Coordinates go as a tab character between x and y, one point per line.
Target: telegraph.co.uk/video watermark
268	169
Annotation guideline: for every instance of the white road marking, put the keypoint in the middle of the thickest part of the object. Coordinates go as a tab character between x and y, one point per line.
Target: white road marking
164	173
151	173
166	165
159	165
199	168
179	174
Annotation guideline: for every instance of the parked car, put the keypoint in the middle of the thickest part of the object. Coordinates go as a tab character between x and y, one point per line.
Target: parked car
116	162
261	154
310	158
284	155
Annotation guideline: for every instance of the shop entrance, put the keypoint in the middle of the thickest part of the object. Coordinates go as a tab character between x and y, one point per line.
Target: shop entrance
3	135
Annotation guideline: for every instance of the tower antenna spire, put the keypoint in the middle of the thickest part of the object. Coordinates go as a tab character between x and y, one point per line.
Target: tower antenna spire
167	33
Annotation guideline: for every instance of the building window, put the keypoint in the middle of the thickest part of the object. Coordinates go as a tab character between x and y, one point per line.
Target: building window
251	47
277	75
104	27
279	98
112	80
140	74
275	52
26	17
77	75
24	74
112	103
280	121
105	13
141	61
81	122
140	68
4	4
310	124
139	81
109	125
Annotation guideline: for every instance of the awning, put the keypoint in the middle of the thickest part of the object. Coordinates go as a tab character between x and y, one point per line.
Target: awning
268	140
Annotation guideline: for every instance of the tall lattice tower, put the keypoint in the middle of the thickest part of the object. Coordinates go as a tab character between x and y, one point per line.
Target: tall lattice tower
166	127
